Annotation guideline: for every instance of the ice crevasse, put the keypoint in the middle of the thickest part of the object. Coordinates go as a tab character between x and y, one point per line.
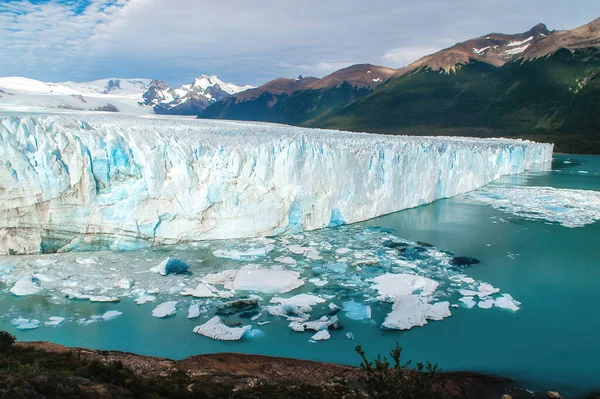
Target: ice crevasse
71	182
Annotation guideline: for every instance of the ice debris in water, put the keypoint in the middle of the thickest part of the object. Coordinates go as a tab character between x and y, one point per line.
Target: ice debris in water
25	324
54	321
234	254
321	336
268	281
570	208
396	269
27	285
216	329
194	311
392	286
165	309
171	265
411	311
111	314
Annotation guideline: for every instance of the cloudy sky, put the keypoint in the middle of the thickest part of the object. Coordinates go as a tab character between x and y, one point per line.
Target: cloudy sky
250	41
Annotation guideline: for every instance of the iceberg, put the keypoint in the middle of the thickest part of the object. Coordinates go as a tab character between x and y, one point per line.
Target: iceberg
165	309
216	329
25	324
568	207
392	286
321	336
171	265
413	311
89	182
267	281
27	285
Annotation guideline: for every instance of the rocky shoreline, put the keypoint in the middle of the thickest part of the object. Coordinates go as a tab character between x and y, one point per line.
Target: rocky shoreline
236	375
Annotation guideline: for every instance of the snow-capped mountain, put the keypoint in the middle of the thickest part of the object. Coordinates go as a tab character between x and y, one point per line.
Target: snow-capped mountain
131	96
114	95
188	99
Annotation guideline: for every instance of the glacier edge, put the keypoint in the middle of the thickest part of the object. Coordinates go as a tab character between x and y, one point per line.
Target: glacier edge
85	182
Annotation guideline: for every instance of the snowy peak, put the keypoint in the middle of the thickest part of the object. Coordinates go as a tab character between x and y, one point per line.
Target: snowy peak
494	48
189	99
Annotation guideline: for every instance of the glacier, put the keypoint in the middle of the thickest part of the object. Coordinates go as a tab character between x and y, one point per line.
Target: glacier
89	182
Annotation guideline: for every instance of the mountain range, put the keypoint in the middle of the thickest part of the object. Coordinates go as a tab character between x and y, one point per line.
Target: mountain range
539	84
133	96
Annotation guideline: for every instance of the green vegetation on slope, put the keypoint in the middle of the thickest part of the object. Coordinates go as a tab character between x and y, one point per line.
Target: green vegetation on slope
555	98
292	109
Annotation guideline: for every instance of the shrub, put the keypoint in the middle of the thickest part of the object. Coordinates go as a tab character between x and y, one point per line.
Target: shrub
6	341
382	379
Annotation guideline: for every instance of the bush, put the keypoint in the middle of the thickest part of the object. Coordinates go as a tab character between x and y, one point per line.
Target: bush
6	341
381	379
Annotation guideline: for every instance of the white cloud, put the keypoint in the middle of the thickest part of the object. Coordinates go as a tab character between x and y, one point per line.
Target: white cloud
247	41
403	56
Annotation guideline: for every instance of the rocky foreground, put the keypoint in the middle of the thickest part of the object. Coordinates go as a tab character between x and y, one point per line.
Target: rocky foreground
46	370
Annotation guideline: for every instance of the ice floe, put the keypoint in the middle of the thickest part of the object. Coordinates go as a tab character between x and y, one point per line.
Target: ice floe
216	329
568	207
268	281
410	311
27	285
321	336
392	286
171	265
165	309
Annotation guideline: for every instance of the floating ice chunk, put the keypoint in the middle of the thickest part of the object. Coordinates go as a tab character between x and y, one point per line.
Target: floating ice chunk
570	208
262	323
392	286
268	281
485	290
356	310
171	265
145	298
111	314
468	301
165	309
333	307
224	278
234	254
124	284
321	336
316	325
25	324
101	298
288	260
92	260
202	290
342	251
318	282
486	304
506	301
438	311
194	311
299	300
216	329
54	321
350	336
313	255
413	311
27	285
298	249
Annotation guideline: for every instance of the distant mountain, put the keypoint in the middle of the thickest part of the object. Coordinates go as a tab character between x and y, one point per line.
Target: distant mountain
539	84
132	96
549	91
188	99
295	101
109	95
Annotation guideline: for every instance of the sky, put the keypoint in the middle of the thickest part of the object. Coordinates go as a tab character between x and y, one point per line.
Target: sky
250	41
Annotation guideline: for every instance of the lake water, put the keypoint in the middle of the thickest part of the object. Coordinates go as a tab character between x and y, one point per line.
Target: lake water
551	342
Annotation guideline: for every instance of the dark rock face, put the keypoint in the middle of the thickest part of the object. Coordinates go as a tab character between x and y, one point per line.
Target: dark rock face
464	261
112	85
107	108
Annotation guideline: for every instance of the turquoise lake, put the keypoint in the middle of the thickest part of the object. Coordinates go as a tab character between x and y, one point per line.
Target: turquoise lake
550	343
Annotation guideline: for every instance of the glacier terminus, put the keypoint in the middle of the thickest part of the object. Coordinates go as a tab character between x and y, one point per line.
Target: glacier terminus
86	182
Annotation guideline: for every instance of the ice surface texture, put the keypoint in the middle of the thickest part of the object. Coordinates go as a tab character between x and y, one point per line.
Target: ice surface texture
93	182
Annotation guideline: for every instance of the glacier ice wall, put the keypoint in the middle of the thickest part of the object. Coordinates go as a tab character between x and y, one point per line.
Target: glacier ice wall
91	182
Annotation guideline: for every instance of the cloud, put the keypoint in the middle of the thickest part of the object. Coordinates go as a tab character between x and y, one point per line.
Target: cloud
248	41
